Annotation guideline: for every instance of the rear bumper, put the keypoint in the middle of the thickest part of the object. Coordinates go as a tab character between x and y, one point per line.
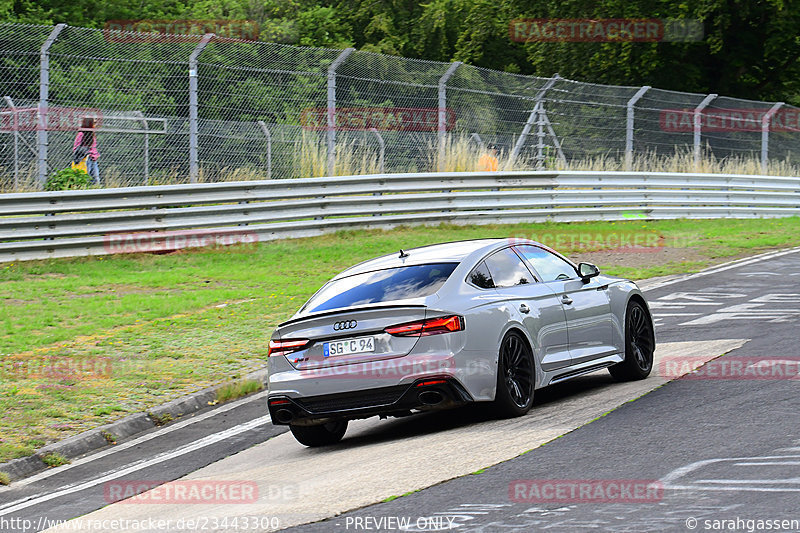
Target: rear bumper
437	392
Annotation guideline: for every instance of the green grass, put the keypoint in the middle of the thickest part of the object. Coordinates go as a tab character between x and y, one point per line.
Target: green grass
54	459
88	340
231	391
392	498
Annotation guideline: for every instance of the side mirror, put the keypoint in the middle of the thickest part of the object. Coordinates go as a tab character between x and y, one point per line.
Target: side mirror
587	271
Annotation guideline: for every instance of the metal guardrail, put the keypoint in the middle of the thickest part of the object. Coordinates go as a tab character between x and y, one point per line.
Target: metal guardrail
103	221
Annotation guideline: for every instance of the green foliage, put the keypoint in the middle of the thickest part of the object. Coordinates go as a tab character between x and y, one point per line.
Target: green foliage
160	420
67	179
54	459
238	389
749	49
110	437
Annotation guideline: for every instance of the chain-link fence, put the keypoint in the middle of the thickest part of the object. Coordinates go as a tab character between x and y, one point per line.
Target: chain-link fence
206	108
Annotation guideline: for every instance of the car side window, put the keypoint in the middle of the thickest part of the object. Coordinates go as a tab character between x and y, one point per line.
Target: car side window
548	265
480	277
508	270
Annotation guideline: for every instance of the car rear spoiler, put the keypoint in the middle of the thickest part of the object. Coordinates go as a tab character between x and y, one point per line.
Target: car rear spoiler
349	310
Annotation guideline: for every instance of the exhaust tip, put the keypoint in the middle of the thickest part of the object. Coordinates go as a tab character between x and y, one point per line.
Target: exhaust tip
284	416
430	397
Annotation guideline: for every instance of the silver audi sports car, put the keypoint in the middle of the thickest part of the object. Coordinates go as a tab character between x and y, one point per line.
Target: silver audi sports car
450	324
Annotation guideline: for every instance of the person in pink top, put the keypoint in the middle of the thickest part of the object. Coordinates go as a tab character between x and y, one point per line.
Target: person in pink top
87	139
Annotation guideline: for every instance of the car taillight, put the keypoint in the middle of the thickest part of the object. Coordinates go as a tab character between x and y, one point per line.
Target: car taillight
432	382
286	347
279	401
432	326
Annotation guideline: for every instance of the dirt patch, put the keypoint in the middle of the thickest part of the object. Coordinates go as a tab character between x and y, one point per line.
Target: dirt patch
640	257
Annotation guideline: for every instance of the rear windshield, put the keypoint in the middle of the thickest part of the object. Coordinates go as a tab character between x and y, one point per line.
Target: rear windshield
381	286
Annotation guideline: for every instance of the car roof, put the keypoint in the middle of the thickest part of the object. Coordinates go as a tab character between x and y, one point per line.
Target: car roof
448	252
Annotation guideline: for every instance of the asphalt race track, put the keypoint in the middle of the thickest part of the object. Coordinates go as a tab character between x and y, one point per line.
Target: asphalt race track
714	449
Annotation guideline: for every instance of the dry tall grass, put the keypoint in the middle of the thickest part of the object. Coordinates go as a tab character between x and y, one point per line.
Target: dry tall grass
351	158
459	154
683	161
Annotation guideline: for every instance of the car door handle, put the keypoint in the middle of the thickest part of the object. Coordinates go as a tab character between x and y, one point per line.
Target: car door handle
523	308
566	299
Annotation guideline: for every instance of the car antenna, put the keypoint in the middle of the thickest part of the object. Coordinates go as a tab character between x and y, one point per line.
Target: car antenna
403	254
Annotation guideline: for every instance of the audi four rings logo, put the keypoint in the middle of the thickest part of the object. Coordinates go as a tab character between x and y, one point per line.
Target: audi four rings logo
345	324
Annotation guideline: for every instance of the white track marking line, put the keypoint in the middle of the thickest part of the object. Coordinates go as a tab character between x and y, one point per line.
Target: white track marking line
144	438
691	467
737	488
202	443
725	266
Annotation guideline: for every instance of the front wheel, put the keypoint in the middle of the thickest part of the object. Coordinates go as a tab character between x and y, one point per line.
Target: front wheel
639	345
321	435
515	373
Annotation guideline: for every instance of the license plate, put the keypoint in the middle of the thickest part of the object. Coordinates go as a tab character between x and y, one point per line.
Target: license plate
349	346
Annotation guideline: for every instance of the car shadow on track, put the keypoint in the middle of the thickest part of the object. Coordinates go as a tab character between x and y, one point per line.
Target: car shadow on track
437	421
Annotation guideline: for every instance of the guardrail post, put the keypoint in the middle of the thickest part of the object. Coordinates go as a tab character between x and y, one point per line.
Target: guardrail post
194	165
765	120
332	108
15	129
269	147
698	126
44	94
442	111
533	117
629	126
381	148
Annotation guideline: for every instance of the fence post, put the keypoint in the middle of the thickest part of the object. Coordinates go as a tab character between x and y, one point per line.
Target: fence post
44	94
539	136
15	129
765	120
698	126
194	165
146	146
382	147
332	108
533	117
629	126
269	147
442	111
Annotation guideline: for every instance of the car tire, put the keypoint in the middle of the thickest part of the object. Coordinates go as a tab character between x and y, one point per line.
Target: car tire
321	435
515	377
639	345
